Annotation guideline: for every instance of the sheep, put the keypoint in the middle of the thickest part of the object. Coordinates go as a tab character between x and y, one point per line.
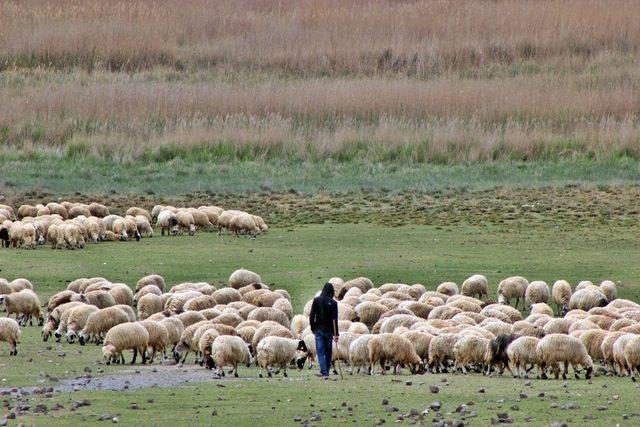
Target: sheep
618	353
76	211
270	329
475	285
298	324
10	333
77	320
448	288
99	322
158	338
512	287
262	225
128	310
632	356
541	308
175	304
497	352
168	221
584	284
441	351
464	305
149	304
561	295
200	219
229	318
98	210
243	223
537	292
20	284
25	305
268	313
186	223
229	351
152	279
199	303
122	337
280	352
362	283
592	340
143	226
470	350
242	277
525	329
100	298
57	209
186	342
26	210
558	348
586	299
391	323
609	289
395	349
522	352
136	211
174	329
63	297
227	295
359	352
188	318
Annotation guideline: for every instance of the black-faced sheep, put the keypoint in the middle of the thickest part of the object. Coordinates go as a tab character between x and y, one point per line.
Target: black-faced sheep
229	351
278	351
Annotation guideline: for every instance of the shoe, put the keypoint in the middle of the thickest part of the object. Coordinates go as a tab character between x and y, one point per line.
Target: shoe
325	378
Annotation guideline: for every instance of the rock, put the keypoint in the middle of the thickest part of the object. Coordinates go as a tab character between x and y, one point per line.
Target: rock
515	408
40	408
380	422
214	413
472	414
529	419
589	417
523	395
527	384
570	405
385	401
461	408
565	385
435	406
558	424
457	423
297	419
443	380
625	416
414	412
61	354
553	405
434	389
134	406
616	397
503	416
541	394
408	383
11	416
425	412
315	417
602	408
481	390
391	409
494	421
3	422
87	369
115	420
154	370
105	417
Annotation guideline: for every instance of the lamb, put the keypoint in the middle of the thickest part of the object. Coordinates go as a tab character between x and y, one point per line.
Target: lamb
586	299
242	277
448	288
278	351
609	289
470	350
395	349
229	351
99	322
25	305
158	337
561	295
522	352
168	221
512	287
122	337
537	292
475	285
186	223
558	348
10	333
149	304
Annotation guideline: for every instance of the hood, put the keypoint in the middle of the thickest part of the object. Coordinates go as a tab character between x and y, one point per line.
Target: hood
327	290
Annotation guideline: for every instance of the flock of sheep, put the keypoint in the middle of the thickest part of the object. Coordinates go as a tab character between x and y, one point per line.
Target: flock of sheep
72	225
393	325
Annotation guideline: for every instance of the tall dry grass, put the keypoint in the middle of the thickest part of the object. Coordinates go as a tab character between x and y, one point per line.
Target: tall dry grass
439	81
313	36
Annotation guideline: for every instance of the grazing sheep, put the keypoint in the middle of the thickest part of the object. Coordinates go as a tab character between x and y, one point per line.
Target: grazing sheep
475	285
558	326
121	294
523	328
244	223
188	318
227	295
470	350
100	298
592	340
618	353
441	351
25	305
143	226
268	313
607	348
241	278
98	210
175	328
21	284
359	353
268	329
362	283
395	349
199	303
391	323
152	279
298	324
228	351
136	211
522	352
158	338
125	336
98	323
609	289
77	320
77	211
10	333
584	284
586	299
186	223
537	292
558	348
512	287
561	295
168	221
541	308
149	304
278	351
63	297
448	288
632	356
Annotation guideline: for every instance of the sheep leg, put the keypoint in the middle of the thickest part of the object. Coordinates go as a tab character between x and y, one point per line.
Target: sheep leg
543	370
135	355
382	363
284	367
235	370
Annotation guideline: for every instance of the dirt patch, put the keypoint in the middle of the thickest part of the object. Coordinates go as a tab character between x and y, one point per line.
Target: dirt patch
562	208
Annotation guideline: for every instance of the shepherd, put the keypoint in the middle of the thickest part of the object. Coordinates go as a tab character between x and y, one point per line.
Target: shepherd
323	321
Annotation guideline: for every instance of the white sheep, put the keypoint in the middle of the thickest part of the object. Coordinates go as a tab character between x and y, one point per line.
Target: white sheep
558	348
512	288
25	305
279	351
242	277
229	350
10	333
561	295
125	336
475	285
395	349
537	292
522	352
99	322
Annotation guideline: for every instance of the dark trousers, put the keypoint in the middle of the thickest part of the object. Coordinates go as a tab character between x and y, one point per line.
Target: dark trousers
324	342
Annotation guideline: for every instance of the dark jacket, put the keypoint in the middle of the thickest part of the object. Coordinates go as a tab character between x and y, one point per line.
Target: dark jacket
324	311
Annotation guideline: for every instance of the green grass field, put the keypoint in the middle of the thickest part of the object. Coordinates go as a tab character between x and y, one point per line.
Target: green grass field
299	260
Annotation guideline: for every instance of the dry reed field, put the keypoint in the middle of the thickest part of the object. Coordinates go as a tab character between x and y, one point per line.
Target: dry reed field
436	81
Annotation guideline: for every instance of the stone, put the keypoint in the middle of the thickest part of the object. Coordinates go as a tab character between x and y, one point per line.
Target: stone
482	390
435	406
384	401
434	389
523	395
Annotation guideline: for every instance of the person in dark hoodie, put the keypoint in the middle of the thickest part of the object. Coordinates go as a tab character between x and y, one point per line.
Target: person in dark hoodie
323	321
